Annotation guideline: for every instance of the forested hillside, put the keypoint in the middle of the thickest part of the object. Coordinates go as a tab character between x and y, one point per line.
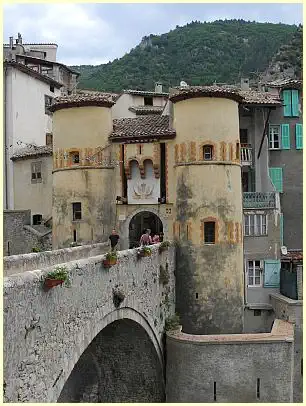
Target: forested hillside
198	53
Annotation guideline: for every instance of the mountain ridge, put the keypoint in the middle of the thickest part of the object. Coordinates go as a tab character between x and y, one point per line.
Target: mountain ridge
198	53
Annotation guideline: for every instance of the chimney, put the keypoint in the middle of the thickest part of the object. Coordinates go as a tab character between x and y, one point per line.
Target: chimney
158	87
245	85
19	38
11	42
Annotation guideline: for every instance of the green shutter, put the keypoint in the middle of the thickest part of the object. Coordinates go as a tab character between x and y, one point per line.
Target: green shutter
272	273
285	136
299	136
281	226
295	103
287	103
276	175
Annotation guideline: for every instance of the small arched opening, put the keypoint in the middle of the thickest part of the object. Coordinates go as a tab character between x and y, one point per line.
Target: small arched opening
120	365
142	221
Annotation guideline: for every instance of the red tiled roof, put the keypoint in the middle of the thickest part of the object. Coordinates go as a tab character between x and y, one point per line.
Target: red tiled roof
32	72
32	151
81	100
286	83
145	93
142	127
183	93
259	98
293	255
144	110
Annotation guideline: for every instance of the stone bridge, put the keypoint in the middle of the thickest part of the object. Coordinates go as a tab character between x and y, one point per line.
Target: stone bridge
72	344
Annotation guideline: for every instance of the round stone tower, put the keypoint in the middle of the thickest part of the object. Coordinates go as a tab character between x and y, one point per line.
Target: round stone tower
83	174
208	210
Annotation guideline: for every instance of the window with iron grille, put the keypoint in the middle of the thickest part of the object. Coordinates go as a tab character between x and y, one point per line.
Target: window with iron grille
37	219
49	139
48	102
209	232
207	152
254	270
75	157
77	211
255	224
36	172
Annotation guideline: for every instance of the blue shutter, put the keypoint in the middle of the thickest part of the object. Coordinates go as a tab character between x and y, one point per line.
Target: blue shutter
272	273
276	175
295	103
287	103
281	226
285	128
299	136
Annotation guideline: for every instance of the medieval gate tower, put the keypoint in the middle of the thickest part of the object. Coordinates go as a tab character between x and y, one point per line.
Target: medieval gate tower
83	173
208	211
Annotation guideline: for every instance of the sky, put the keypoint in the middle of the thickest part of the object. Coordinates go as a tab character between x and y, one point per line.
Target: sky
95	33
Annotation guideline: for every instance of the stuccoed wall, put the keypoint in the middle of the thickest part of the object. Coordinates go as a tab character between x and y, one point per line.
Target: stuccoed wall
46	332
233	363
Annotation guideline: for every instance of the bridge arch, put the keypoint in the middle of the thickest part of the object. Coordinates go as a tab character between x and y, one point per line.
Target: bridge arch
116	325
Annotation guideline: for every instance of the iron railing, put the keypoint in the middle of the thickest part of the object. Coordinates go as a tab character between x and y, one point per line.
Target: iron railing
259	200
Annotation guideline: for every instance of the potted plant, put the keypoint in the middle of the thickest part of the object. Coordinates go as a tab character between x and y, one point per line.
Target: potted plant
110	259
164	246
56	277
144	251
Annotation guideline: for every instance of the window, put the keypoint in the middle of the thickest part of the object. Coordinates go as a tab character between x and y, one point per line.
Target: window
49	139
254	273
237	151
75	158
274	137
36	172
77	211
255	224
37	219
209	232
243	136
51	88
207	152
148	101
257	312
276	175
291	103
48	102
299	136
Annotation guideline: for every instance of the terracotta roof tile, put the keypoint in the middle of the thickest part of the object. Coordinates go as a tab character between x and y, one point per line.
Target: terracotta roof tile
262	98
82	99
32	151
144	110
285	83
145	93
293	255
182	93
150	127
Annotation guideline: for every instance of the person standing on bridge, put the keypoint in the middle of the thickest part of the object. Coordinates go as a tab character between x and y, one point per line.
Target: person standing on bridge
114	238
146	239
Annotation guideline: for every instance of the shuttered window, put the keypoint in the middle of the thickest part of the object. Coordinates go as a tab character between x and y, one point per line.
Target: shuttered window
272	273
291	103
276	175
285	128
299	136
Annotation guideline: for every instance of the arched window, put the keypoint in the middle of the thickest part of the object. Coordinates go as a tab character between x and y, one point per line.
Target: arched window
148	169
208	151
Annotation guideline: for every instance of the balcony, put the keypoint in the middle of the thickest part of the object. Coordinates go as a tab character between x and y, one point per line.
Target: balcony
246	155
259	200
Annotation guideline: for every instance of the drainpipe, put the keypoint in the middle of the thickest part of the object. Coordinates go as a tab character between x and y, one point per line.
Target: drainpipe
5	137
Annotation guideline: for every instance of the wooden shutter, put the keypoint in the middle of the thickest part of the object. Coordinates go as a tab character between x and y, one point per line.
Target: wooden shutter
287	103
299	136
285	128
272	273
295	103
276	175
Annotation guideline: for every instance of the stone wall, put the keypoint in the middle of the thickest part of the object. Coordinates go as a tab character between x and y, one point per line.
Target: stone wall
231	368
19	237
46	332
292	311
29	262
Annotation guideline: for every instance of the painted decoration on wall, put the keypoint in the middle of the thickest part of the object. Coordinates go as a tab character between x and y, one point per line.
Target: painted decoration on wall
143	186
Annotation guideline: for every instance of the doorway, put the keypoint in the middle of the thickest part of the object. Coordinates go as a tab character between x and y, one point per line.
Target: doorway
142	221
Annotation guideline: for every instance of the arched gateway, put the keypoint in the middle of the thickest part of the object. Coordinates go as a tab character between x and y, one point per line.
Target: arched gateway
140	222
